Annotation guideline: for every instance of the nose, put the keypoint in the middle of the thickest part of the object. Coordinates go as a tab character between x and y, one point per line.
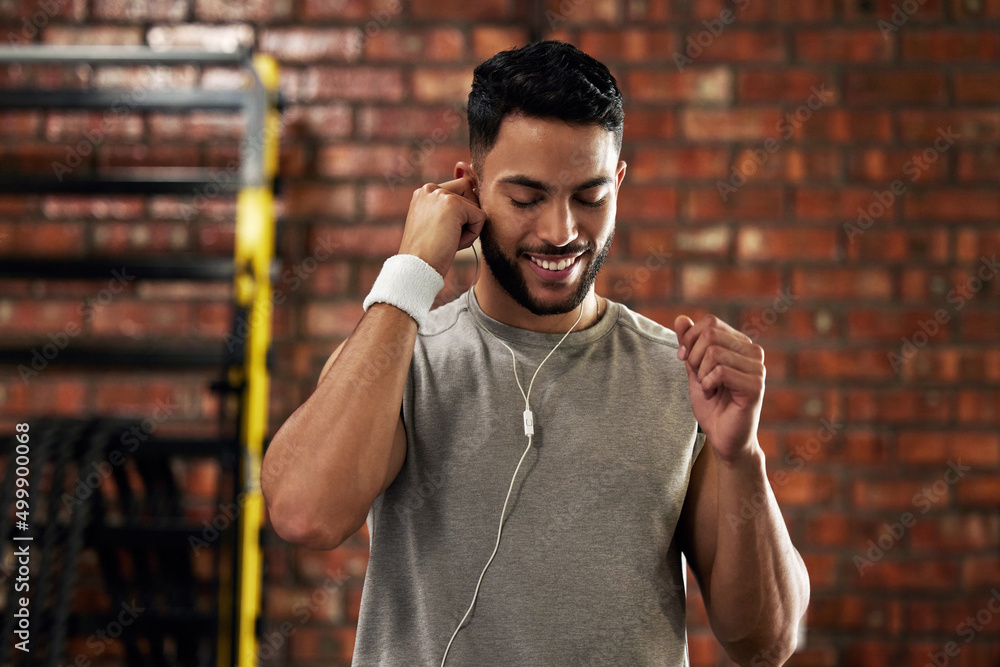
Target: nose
556	226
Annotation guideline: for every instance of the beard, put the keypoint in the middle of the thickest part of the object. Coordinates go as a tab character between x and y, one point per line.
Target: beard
509	275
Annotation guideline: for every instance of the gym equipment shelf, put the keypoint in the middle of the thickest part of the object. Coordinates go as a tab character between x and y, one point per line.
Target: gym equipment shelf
142	538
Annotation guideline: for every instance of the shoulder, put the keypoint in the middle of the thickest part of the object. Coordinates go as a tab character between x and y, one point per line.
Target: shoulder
443	319
645	328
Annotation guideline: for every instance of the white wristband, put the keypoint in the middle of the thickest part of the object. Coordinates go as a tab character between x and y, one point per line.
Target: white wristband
409	283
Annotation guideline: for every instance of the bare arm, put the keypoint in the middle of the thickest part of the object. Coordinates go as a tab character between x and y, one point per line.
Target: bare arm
342	447
753	580
755	583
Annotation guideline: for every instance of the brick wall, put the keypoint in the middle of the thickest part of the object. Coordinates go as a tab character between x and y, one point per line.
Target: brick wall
822	175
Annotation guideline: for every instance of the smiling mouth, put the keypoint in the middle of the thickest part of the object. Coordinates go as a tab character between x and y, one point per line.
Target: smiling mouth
550	265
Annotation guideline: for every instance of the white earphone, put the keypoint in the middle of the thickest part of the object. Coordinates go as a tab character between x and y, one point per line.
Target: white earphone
529	431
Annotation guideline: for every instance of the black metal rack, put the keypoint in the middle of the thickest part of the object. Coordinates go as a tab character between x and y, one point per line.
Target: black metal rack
135	522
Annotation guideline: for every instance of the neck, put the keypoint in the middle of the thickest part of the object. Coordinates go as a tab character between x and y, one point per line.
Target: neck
501	307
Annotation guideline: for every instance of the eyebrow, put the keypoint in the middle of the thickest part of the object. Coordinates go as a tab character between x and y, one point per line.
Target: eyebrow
520	179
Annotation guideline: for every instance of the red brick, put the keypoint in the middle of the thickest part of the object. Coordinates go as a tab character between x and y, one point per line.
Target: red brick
788	164
377	13
318	605
894	87
972	245
141	319
803	488
628	282
426	45
253	10
765	323
899	246
840	125
748	203
978	405
649	124
730	125
560	13
981	572
139	238
312	44
43	239
387	202
882	166
733	45
760	243
40	317
978	165
318	200
871	324
871	12
848	612
321	644
442	85
971	126
980	326
636	45
442	123
976	87
648	165
839	45
679	243
352	161
980	491
347	83
950	45
490	40
647	204
959	533
823	204
842	283
788	85
359	240
921	447
911	574
21	124
904	406
125	10
44	394
967	205
700	281
106	35
822	569
332	319
448	9
713	84
835	364
201	36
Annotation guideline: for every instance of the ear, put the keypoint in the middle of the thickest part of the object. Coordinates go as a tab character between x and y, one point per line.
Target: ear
463	169
619	175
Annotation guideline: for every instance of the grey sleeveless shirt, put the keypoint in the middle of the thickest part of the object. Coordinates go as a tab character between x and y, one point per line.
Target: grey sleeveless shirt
588	570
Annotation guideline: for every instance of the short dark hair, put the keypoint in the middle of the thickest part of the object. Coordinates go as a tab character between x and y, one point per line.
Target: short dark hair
547	79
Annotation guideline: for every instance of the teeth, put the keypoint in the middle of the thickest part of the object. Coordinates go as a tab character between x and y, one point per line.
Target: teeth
552	266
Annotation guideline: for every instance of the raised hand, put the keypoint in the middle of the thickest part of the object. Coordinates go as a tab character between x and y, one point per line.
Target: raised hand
725	382
442	220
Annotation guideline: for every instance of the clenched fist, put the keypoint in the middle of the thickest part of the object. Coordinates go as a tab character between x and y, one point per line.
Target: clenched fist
442	220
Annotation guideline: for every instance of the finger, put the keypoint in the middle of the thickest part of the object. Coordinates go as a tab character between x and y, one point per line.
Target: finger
682	323
717	355
462	187
731	341
737	382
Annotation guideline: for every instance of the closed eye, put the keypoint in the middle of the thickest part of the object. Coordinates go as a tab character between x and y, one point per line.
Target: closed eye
529	204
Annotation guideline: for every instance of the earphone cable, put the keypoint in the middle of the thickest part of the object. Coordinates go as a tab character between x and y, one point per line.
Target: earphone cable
529	430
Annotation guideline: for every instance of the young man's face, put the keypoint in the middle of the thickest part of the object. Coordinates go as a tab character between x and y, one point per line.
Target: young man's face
548	188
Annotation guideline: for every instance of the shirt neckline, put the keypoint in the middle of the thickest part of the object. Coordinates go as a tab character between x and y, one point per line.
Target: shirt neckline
520	336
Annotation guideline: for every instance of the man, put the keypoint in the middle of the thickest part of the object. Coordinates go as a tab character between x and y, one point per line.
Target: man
641	441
